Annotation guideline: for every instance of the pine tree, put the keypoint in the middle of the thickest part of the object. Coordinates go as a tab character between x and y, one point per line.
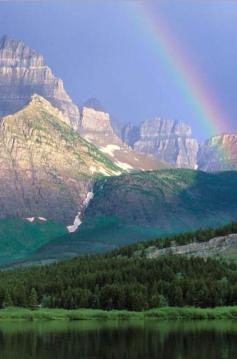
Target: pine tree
8	300
33	299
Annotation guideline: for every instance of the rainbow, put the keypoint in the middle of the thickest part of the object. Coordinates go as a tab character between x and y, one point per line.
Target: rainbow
200	97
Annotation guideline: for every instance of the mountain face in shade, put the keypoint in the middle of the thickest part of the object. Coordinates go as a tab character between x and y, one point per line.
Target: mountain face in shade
170	141
94	103
24	73
147	205
46	168
219	153
96	127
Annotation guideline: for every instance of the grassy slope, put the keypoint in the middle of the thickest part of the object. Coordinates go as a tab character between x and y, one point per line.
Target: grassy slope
142	206
166	313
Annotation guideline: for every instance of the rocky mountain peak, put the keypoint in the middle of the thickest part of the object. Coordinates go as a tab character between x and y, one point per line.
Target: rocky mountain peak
94	120
219	153
39	103
94	103
170	141
24	73
164	128
46	167
16	53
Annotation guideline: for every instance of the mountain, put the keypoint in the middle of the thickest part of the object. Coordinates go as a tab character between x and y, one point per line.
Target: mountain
219	153
46	168
145	205
96	127
170	141
94	103
24	73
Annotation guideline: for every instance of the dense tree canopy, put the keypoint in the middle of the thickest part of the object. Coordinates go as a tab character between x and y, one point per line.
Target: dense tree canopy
126	279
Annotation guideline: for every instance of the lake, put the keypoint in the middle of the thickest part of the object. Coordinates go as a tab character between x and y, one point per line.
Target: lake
118	340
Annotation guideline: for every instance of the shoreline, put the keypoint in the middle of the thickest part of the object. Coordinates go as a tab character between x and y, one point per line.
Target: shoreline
165	313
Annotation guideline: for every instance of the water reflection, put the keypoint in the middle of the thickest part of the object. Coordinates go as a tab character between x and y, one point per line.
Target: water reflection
164	340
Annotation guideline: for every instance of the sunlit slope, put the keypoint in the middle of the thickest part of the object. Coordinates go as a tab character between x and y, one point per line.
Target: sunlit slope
45	166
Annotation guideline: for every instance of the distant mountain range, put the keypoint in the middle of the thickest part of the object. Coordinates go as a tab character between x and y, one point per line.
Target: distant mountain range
24	73
62	165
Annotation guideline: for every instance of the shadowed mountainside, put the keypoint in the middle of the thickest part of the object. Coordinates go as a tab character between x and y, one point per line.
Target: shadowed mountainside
139	206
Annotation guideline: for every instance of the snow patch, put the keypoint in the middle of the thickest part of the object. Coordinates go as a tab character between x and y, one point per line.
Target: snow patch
42	219
124	166
77	220
76	224
93	169
30	219
109	149
103	171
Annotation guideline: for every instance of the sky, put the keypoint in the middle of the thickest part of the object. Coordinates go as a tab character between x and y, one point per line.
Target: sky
104	49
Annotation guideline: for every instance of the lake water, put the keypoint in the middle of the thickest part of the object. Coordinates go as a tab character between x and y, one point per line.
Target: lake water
164	340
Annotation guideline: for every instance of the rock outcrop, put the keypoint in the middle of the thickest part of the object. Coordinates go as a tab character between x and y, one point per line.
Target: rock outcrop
24	73
130	134
46	167
170	141
214	247
96	127
219	153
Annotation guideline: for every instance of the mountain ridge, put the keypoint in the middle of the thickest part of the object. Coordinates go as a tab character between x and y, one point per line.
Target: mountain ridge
39	154
23	73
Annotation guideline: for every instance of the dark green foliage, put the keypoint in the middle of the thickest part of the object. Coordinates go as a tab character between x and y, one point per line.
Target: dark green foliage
2	297
126	279
201	235
109	282
33	299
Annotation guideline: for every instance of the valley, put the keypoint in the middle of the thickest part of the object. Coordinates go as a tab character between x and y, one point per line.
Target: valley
100	184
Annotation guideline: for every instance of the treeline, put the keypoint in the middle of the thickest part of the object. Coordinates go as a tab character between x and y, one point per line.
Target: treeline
200	235
126	279
122	283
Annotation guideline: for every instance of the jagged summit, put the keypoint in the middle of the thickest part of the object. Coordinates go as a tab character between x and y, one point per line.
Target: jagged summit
14	52
7	41
4	41
95	104
170	141
219	153
46	167
23	72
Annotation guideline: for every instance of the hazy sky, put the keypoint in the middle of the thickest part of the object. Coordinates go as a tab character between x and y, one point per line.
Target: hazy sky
102	49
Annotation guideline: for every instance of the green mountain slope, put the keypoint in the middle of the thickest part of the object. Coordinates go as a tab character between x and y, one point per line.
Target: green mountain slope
20	238
46	170
139	206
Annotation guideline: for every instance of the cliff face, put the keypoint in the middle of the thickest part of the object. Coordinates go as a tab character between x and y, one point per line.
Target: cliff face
24	73
168	140
46	167
96	127
219	153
